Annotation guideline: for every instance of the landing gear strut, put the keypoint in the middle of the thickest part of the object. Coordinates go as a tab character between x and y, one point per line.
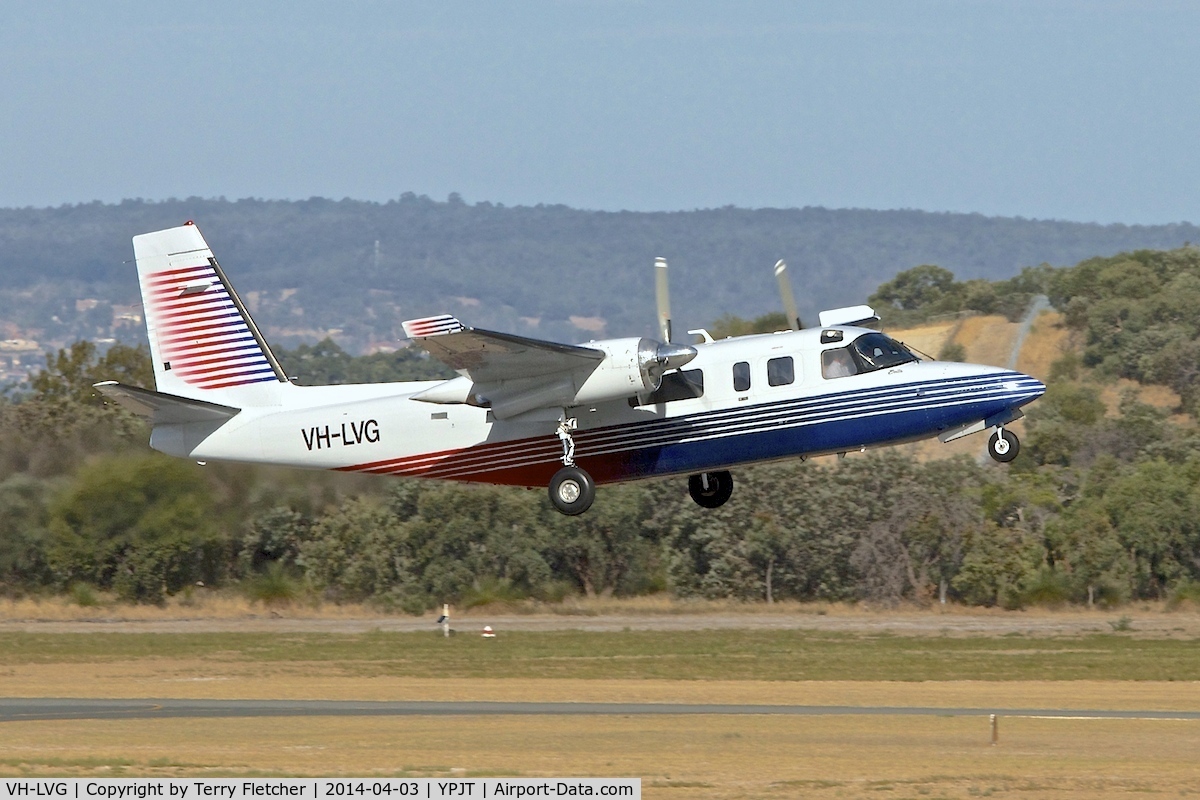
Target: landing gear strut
711	489
565	426
1004	446
572	490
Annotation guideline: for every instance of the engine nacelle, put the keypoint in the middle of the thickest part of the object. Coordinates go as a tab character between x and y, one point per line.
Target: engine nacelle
625	371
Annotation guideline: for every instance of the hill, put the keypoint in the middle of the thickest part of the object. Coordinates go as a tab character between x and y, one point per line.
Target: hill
355	269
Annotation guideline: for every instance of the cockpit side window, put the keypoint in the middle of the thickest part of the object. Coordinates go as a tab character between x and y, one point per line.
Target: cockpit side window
838	363
877	351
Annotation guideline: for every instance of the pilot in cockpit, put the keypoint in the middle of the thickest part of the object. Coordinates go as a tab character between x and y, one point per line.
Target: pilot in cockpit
837	363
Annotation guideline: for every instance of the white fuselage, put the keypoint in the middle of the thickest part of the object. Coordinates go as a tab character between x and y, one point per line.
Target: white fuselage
379	428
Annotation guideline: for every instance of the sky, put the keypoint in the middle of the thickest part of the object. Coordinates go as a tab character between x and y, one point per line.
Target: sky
1084	111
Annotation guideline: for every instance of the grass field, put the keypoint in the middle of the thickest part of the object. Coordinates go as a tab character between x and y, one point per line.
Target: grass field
770	655
694	757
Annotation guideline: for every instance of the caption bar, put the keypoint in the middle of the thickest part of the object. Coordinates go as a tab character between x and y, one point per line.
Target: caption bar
319	789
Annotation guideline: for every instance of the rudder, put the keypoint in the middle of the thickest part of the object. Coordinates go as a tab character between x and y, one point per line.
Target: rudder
202	339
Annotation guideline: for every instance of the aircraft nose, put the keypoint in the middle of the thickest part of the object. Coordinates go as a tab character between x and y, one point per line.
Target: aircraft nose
1024	388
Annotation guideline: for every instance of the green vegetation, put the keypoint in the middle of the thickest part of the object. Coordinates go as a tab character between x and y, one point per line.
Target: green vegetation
672	655
325	363
921	293
1139	314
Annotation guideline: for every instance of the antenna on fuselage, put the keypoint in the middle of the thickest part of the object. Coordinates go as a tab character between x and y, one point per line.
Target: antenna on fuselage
785	293
662	297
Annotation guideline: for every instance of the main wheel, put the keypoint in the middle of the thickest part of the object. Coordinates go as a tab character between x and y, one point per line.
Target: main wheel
710	489
572	491
1004	446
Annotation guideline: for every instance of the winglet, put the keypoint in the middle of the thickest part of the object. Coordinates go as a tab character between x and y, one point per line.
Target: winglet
432	326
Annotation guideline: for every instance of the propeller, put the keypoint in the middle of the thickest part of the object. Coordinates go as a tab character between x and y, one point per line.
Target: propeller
657	358
662	297
785	292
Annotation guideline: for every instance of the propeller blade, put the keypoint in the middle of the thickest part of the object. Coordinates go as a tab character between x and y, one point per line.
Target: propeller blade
662	296
785	292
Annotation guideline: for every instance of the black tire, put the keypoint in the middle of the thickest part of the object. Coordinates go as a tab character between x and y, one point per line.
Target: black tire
720	488
572	491
1004	446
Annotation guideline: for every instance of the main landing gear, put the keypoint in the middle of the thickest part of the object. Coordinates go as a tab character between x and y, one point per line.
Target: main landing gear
711	489
1004	446
572	490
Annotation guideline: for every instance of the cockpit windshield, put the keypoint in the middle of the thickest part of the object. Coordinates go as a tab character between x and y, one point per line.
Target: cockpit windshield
878	351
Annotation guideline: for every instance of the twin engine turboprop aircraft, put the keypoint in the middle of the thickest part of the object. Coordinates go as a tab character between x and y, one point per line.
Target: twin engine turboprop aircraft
527	412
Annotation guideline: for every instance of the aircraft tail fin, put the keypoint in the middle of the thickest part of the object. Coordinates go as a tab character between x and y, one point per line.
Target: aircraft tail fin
204	344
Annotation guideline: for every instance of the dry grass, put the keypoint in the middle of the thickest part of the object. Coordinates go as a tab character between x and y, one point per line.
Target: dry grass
930	338
233	679
712	757
1048	341
206	604
988	339
218	611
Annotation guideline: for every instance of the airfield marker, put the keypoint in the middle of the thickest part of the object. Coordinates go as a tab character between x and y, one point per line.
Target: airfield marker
995	730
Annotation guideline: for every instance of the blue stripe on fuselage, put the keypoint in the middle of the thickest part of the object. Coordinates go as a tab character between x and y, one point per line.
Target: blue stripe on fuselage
817	424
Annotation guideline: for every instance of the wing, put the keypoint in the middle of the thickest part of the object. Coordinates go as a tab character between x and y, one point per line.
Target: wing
164	409
489	357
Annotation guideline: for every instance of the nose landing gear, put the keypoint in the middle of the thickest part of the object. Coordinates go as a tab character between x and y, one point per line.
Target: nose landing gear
1004	446
711	489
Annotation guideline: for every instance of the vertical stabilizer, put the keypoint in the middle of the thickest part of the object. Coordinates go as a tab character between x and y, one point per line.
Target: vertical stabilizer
202	339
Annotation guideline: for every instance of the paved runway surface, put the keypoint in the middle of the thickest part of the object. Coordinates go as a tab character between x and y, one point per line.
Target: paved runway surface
26	709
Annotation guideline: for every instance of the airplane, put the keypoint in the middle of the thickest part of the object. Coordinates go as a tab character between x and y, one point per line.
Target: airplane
535	413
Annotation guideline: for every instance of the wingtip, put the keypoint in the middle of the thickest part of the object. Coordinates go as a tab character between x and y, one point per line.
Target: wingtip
432	326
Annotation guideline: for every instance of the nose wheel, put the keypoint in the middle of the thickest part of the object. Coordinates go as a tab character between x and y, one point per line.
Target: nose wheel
711	489
1004	446
572	491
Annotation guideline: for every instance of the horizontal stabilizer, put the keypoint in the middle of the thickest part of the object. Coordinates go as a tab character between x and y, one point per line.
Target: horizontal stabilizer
164	409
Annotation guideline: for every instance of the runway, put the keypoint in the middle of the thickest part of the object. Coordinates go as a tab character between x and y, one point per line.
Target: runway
34	709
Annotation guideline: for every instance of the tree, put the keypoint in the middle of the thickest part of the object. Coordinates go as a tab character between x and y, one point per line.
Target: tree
71	373
359	550
143	525
23	519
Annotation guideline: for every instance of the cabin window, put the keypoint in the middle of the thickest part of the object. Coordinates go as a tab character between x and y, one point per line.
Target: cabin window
781	371
684	385
838	363
877	351
741	376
